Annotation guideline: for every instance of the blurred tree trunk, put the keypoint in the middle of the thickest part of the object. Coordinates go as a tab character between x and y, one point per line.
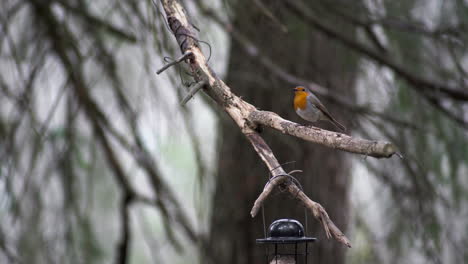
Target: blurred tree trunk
241	174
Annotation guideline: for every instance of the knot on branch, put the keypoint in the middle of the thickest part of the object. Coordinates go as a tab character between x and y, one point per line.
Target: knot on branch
253	126
389	149
182	33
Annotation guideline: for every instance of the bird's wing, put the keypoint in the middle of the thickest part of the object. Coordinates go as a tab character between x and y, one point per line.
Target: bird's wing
315	101
311	98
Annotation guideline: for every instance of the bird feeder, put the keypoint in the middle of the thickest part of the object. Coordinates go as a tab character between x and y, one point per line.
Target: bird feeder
288	240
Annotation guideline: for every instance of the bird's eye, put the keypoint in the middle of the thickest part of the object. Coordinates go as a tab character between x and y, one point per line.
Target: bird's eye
299	89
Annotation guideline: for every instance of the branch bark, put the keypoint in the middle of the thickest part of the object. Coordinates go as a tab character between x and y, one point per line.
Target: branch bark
377	149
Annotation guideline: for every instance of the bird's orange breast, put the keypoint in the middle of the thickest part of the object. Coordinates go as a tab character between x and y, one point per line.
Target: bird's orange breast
300	100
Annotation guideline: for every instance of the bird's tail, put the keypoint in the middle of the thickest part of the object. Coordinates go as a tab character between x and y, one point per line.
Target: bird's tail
337	124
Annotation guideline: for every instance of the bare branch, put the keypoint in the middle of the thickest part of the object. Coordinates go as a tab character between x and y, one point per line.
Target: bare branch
438	105
267	12
181	58
196	87
377	149
265	193
97	22
319	212
367	27
123	245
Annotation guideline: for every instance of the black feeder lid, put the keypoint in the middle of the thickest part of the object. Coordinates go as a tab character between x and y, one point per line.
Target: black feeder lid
285	231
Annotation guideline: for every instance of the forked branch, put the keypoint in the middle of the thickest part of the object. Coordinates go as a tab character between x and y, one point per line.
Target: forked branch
247	118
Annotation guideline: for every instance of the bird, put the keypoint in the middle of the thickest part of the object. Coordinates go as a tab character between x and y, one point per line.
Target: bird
309	107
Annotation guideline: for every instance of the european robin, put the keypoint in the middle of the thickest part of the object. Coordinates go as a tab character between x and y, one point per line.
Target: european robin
309	107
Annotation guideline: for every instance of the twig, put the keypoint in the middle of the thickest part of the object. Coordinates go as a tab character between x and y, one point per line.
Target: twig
97	22
265	193
123	245
294	171
267	12
367	27
319	213
181	58
438	105
195	88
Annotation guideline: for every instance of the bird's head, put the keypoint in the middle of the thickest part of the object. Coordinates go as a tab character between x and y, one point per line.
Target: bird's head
300	90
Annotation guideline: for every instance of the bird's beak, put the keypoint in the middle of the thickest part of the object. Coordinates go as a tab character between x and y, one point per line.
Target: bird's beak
295	89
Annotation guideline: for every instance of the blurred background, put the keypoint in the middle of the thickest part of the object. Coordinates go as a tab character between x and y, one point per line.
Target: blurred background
100	164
